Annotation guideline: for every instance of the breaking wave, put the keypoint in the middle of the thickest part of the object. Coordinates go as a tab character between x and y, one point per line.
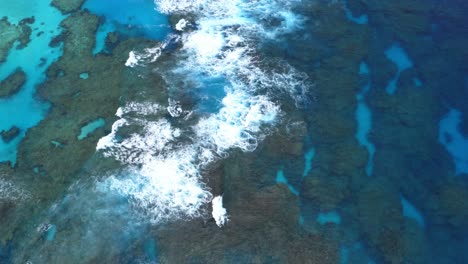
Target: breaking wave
218	39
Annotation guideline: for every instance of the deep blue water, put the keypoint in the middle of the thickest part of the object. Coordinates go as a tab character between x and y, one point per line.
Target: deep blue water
334	132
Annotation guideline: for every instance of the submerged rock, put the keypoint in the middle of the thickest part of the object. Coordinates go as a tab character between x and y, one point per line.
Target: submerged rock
390	235
13	83
407	18
454	206
9	135
10	33
67	6
260	221
7	208
324	191
75	102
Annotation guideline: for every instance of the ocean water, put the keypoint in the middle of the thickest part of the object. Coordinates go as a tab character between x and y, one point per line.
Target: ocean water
129	17
234	131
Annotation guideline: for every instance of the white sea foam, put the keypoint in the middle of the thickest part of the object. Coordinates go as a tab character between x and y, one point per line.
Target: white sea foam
178	5
224	43
108	141
218	212
202	7
175	108
163	179
149	139
164	188
132	60
237	123
148	55
182	24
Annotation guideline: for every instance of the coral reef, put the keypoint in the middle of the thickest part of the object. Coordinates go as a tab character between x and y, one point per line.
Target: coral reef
268	223
12	84
339	161
408	18
382	223
51	156
67	6
453	202
10	134
261	221
11	33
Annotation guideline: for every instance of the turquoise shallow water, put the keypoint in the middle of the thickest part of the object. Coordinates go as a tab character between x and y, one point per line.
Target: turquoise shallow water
199	130
90	127
398	56
364	119
23	110
130	17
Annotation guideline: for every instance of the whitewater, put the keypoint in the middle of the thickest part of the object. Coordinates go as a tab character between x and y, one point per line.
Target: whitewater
166	158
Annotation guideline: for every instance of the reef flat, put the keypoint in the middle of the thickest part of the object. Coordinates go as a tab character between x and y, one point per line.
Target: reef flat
233	131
